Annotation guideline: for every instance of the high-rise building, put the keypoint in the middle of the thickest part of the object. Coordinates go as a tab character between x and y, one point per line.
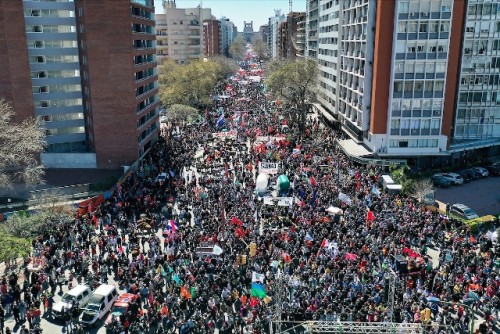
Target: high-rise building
211	38
228	35
248	32
179	32
477	117
287	35
93	87
273	32
409	78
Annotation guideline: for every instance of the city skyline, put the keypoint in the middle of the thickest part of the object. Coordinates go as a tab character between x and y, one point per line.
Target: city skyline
239	11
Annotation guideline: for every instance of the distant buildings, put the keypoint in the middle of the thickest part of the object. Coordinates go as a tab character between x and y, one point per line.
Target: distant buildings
289	42
211	38
416	79
179	33
273	32
92	86
229	32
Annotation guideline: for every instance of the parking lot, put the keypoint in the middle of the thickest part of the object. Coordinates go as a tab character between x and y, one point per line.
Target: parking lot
482	196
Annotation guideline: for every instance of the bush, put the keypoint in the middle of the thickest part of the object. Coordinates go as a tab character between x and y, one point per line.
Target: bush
481	223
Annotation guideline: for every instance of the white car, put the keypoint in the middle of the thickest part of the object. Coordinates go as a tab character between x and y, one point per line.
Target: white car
463	211
483	171
453	177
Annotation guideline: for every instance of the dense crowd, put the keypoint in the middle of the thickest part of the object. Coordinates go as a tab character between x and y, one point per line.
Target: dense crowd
318	265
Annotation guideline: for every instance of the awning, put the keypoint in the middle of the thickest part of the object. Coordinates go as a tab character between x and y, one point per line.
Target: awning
325	113
350	147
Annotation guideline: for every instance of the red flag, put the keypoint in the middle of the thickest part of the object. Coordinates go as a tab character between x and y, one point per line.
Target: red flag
325	243
151	298
236	221
254	301
240	232
312	182
370	216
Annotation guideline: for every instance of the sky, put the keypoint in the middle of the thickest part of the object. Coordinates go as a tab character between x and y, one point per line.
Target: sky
239	11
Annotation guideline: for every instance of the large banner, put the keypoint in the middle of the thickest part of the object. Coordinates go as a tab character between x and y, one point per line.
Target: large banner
268	167
281	201
266	139
232	133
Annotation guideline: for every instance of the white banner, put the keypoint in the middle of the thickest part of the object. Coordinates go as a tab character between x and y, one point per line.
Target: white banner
265	139
268	167
285	201
268	200
231	133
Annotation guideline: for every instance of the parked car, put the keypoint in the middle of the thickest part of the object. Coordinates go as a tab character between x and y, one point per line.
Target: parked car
454	178
439	181
494	170
463	211
481	170
473	174
467	178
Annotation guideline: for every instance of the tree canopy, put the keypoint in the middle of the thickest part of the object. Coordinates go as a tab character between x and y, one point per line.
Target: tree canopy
295	84
13	247
260	47
182	113
192	84
20	147
237	50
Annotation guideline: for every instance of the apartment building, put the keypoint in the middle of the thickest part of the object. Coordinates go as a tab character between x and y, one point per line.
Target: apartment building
287	35
274	22
212	38
408	78
179	33
228	35
477	117
98	105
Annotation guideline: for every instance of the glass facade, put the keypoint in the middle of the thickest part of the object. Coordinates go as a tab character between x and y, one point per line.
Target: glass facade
55	73
478	100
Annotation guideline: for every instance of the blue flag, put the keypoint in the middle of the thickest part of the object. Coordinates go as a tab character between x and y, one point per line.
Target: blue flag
220	120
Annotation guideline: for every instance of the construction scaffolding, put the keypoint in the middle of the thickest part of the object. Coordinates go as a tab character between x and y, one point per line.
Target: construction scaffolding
347	327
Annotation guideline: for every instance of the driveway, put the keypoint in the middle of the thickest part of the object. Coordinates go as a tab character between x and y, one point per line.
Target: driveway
482	196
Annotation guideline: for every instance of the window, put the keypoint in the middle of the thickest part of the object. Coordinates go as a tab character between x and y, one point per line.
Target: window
423	143
395	124
403	143
435	123
403	7
413	143
430	67
419	86
419	68
426	123
398	86
412	27
409	67
444	27
439	86
434	26
440	67
408	86
422	27
429	86
402	27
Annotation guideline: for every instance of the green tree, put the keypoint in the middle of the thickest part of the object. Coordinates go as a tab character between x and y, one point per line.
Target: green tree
295	83
228	67
260	47
237	49
13	247
182	113
189	84
20	147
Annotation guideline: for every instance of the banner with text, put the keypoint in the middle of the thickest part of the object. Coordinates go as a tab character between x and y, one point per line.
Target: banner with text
227	134
268	167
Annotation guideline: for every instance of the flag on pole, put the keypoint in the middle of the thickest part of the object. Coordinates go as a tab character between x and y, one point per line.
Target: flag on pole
258	290
370	216
172	225
313	182
220	120
375	191
256	277
325	243
309	237
236	221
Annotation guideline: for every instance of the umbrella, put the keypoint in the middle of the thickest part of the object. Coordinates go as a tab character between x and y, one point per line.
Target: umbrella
334	210
433	299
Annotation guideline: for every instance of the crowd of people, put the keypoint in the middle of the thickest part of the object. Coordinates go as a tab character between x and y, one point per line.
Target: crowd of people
221	257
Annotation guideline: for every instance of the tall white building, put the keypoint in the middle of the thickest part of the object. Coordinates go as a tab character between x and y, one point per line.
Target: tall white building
228	34
274	22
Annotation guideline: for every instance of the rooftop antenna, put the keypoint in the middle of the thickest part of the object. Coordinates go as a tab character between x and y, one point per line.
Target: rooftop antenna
290	4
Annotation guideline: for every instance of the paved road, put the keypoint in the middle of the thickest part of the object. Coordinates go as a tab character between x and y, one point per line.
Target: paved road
482	196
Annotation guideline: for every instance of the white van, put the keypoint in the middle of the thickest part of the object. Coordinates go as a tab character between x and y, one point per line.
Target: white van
100	303
78	296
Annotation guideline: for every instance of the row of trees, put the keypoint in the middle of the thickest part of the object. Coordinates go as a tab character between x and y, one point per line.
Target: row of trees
191	84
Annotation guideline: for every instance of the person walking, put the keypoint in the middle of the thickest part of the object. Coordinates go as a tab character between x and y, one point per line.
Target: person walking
15	312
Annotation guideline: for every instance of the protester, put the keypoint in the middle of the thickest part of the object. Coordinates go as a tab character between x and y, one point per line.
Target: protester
221	251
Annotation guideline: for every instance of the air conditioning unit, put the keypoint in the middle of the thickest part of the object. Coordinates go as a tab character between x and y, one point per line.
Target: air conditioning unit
425	14
412	14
